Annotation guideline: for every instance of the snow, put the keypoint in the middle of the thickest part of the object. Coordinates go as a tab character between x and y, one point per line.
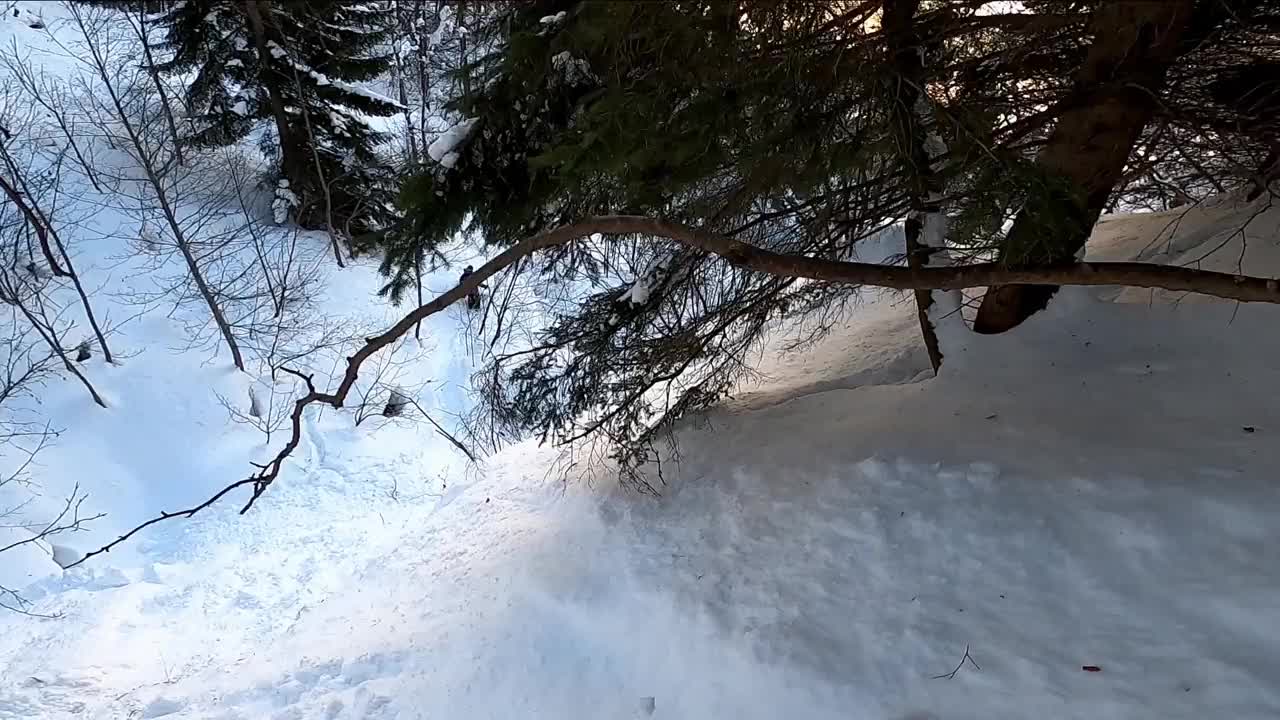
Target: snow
161	707
1079	492
240	108
637	294
446	24
450	139
323	80
338	121
573	70
553	19
1094	489
23	14
65	556
1222	233
364	92
285	200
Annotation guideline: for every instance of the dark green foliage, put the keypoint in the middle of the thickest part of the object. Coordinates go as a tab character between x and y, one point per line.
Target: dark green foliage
768	121
617	109
299	74
670	109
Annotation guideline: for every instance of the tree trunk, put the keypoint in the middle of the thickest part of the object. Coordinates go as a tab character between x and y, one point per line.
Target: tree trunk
153	177
68	132
197	276
50	338
1268	172
37	224
424	83
293	152
84	301
921	147
49	241
417	281
297	150
312	147
404	29
1134	43
141	31
924	298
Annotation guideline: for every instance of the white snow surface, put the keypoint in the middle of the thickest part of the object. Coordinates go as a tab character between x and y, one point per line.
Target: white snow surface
1096	488
638	293
449	140
1092	489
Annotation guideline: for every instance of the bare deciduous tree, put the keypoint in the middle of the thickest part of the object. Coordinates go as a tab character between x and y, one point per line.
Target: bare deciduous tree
25	366
28	193
108	50
139	27
26	291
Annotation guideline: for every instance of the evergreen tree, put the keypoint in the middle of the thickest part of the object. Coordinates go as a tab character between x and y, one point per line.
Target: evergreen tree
777	123
298	65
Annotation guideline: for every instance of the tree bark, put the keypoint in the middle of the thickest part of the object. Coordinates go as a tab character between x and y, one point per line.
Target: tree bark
153	177
1135	42
404	29
292	144
47	333
324	183
84	301
424	82
919	148
37	224
49	241
417	281
141	30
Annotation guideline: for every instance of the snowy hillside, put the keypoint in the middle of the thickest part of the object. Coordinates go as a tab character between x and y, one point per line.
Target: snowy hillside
1075	520
825	555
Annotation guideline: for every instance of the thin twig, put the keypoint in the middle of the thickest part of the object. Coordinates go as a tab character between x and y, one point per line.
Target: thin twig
952	674
743	255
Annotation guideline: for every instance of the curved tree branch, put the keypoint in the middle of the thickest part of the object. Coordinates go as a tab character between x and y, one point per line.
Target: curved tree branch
1147	275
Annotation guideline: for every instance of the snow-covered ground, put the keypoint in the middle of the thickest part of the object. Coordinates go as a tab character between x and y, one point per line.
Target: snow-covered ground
1096	489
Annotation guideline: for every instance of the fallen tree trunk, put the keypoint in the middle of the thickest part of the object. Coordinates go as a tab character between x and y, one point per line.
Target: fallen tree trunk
1235	287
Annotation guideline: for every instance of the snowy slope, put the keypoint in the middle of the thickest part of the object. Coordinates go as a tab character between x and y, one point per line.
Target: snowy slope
823	557
1094	489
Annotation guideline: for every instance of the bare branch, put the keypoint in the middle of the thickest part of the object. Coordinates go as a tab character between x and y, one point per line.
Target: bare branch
740	254
951	675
